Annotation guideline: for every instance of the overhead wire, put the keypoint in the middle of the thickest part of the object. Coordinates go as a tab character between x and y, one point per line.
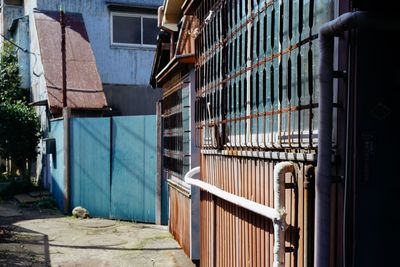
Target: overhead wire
25	50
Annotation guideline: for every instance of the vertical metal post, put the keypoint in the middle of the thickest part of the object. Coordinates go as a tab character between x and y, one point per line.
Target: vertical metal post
66	115
159	163
63	59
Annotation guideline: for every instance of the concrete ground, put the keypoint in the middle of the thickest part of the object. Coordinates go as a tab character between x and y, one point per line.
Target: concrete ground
33	237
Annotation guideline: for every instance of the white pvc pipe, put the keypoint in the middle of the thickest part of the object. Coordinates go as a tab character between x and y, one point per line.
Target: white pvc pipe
277	214
239	201
280	170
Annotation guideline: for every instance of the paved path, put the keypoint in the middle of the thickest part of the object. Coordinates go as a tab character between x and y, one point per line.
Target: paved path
29	237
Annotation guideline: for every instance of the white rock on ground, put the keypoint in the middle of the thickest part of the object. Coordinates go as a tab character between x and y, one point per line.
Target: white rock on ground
80	212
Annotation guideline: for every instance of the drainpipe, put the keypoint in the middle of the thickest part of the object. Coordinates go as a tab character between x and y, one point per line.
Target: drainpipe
327	33
280	170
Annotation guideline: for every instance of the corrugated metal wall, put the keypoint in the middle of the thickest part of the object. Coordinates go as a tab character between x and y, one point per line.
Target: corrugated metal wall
57	162
233	236
113	167
179	218
257	101
90	165
133	178
176	156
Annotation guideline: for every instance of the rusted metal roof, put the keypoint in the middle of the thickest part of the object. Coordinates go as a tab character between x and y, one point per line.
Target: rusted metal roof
84	87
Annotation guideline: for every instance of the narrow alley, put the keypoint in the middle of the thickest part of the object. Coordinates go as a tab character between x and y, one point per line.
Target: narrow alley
33	237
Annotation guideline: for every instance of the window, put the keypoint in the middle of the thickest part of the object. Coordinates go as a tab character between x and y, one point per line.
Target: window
130	29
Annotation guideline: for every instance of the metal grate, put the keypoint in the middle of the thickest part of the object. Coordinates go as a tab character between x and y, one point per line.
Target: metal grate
256	80
175	112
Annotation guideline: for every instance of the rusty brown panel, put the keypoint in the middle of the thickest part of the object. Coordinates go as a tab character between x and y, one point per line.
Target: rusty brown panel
240	214
204	228
230	229
225	213
259	218
271	204
179	219
212	234
263	220
231	219
246	215
204	225
236	210
266	222
244	238
220	230
84	87
218	233
252	247
300	259
295	224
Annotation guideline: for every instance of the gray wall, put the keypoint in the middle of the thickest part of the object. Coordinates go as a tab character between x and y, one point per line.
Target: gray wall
8	14
132	99
21	37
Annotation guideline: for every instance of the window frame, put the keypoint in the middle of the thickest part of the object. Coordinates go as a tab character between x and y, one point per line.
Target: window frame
134	15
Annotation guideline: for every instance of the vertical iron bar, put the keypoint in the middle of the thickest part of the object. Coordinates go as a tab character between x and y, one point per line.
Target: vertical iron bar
280	75
310	73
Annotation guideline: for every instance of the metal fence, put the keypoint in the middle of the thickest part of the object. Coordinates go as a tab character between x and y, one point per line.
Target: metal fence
257	96
256	74
175	113
234	236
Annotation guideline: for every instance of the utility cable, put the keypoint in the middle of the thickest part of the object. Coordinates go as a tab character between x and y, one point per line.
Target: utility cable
25	51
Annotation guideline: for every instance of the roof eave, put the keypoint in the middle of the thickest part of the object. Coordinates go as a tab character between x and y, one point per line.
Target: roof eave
177	61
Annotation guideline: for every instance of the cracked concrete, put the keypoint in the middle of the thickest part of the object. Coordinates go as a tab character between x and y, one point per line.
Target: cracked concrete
47	238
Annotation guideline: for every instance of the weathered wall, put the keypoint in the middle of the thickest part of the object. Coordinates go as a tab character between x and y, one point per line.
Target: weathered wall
233	236
38	85
179	218
21	37
257	94
8	14
116	65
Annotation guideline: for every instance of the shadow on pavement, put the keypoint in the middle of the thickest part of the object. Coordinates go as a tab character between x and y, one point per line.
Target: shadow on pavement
20	246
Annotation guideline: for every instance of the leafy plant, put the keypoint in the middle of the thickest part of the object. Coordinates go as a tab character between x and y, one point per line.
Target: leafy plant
10	79
19	124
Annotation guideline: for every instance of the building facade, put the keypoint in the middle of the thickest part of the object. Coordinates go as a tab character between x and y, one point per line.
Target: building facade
289	126
109	51
173	70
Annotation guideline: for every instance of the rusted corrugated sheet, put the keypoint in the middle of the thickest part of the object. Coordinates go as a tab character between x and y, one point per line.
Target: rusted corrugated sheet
233	236
84	87
179	218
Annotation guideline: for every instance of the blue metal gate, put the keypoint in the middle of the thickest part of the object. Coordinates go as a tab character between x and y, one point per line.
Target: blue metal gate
112	166
133	174
90	165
